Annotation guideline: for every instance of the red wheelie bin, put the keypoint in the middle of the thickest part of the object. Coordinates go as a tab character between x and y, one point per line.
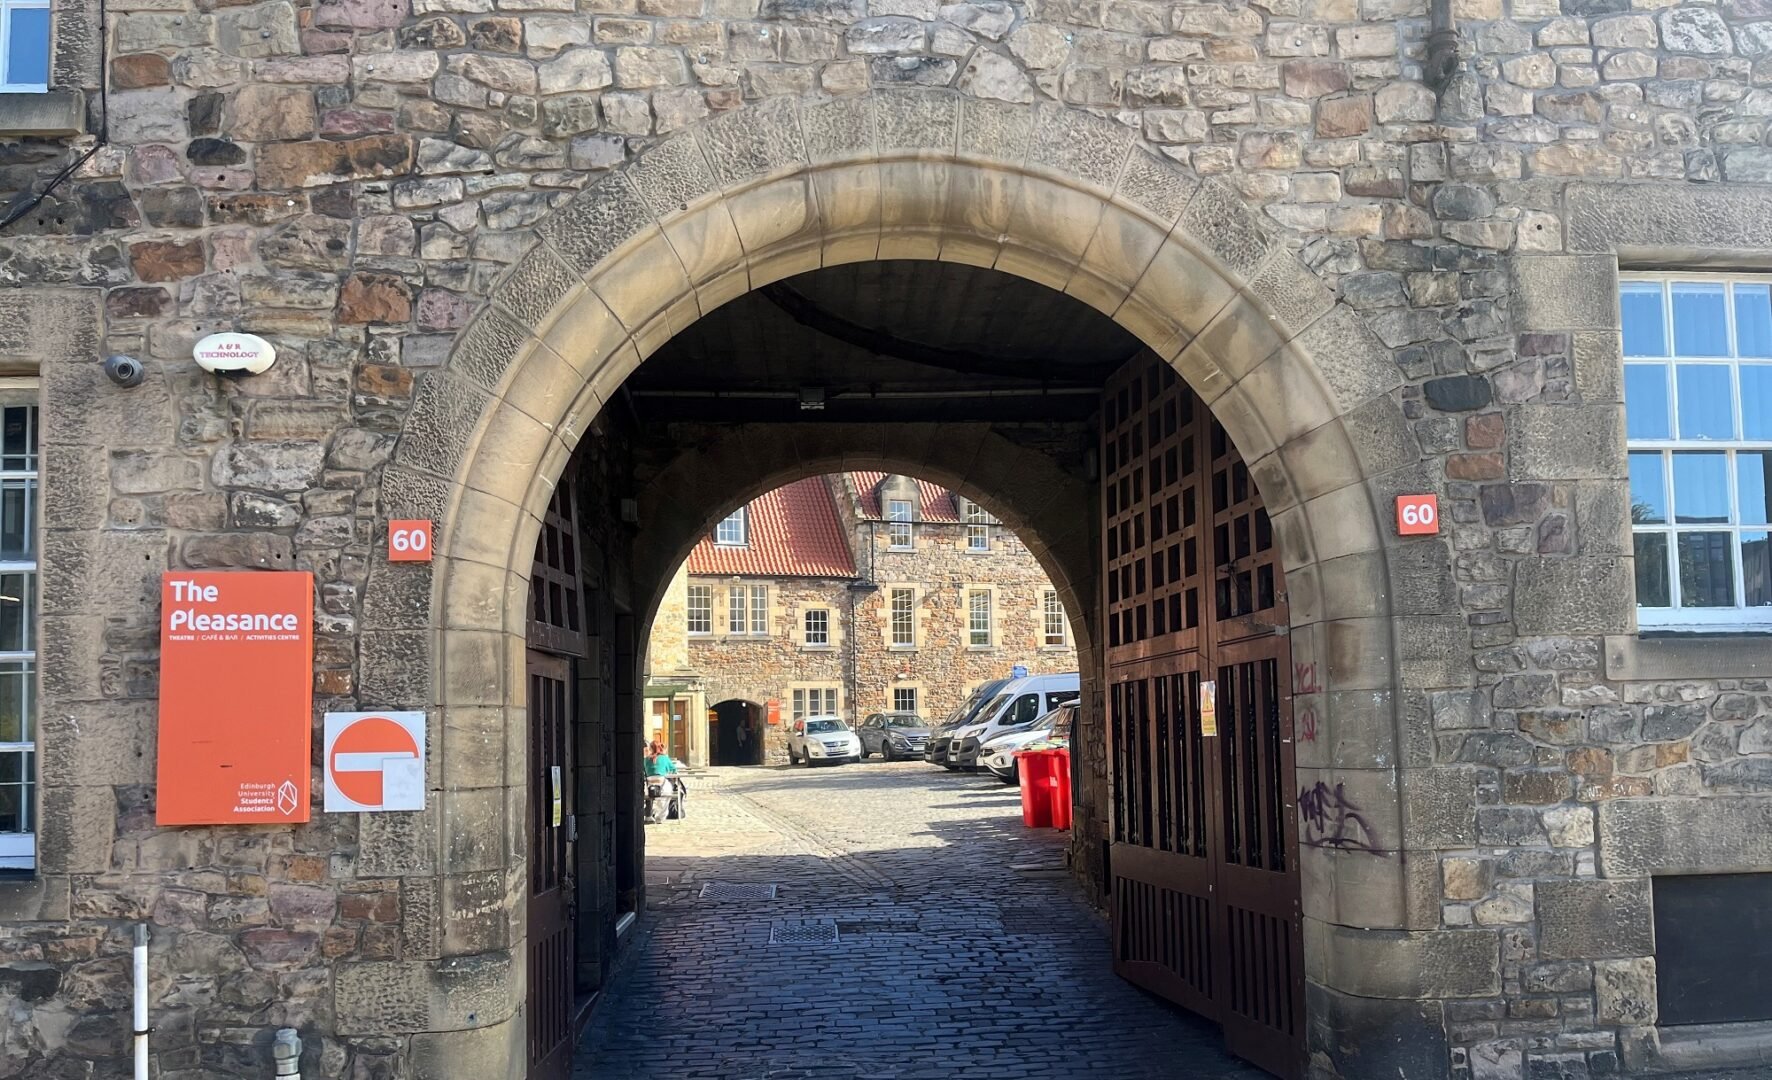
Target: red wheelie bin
1045	788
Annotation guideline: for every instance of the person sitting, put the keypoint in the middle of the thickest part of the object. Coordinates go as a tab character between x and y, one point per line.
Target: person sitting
659	763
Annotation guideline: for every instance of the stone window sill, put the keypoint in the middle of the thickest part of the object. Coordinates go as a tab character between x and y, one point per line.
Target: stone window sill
26	896
819	648
1689	1048
51	113
1684	655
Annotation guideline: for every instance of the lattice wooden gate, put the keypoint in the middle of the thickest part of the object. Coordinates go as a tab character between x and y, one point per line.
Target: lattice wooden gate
1204	858
557	639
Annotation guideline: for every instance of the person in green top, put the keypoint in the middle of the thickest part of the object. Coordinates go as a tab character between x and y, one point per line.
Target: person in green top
659	763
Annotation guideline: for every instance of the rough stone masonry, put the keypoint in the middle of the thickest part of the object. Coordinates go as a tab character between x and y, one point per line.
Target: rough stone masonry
354	179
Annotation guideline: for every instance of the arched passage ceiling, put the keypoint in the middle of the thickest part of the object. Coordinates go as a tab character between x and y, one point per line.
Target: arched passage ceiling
883	341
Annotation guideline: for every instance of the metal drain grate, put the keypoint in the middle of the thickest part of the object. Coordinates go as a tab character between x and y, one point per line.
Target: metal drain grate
737	890
802	932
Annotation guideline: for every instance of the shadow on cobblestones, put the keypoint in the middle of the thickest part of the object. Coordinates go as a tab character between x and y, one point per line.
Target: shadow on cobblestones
947	961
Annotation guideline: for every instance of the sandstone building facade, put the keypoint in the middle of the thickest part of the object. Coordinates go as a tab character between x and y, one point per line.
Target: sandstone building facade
851	594
510	249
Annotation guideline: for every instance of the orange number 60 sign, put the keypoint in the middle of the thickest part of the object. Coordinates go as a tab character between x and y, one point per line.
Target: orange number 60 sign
1418	515
409	541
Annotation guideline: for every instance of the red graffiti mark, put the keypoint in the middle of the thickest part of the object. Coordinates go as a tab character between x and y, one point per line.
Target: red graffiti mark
1304	679
1307	725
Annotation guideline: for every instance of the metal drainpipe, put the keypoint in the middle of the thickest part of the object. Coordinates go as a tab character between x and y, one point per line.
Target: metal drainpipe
286	1052
140	963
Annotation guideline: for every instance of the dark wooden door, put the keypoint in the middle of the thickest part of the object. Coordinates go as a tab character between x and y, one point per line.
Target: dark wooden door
1204	855
551	952
557	636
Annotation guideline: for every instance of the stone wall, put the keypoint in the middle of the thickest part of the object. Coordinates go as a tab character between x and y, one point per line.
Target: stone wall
351	179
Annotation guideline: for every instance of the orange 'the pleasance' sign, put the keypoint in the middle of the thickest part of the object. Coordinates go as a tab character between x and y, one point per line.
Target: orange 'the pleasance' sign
236	697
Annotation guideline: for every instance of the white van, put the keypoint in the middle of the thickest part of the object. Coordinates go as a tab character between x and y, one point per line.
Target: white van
1018	704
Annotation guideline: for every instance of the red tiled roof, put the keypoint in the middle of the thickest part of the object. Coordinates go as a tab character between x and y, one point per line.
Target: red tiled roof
937	501
794	532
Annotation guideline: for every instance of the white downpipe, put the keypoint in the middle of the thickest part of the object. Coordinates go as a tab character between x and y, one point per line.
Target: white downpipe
141	1001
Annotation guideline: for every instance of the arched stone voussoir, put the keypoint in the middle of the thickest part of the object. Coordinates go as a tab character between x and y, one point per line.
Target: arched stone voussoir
1289	294
537	289
1078	148
1354	364
597	222
1174	300
1116	258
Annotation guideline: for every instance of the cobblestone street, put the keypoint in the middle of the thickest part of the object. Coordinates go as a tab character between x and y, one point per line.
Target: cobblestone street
964	948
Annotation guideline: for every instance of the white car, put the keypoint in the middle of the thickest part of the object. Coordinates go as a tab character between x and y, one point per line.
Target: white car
823	739
998	753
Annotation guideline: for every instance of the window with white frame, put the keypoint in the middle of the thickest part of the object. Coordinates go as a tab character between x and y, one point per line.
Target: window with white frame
747	610
1698	426
700	610
904	699
1052	624
814	701
978	618
903	611
978	527
818	627
24	46
734	530
18	635
900	535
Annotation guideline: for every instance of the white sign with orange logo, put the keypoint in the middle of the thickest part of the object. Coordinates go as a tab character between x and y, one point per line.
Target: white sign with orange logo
375	761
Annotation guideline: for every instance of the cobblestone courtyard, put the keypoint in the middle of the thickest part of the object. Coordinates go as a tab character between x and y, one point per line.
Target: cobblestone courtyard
964	948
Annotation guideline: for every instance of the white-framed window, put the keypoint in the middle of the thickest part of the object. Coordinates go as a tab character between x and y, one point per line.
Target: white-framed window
747	610
899	528
978	527
902	609
18	635
24	46
818	627
1698	426
904	699
734	529
1052	621
978	618
814	701
699	610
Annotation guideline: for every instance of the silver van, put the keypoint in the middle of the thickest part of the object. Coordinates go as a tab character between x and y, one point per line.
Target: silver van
936	749
1019	703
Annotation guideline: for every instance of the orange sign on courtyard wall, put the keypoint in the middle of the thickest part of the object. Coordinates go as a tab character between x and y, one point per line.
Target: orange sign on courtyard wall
236	697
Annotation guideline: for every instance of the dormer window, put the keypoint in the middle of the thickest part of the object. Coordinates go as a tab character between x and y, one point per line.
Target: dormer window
734	531
899	527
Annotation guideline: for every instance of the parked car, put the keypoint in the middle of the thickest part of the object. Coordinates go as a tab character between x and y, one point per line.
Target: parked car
1052	729
936	749
893	735
822	739
1020	703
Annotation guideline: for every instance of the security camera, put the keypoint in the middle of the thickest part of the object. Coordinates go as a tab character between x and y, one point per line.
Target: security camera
125	371
234	354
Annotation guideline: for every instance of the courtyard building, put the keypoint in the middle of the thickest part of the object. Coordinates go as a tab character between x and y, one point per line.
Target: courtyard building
1384	389
848	595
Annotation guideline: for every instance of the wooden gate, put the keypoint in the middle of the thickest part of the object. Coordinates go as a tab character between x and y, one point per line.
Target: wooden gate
557	637
1204	856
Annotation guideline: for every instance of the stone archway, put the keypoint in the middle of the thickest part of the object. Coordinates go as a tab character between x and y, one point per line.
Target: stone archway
1058	196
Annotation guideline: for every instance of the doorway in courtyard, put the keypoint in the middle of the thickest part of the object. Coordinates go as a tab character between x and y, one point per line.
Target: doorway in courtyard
1055	423
735	733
